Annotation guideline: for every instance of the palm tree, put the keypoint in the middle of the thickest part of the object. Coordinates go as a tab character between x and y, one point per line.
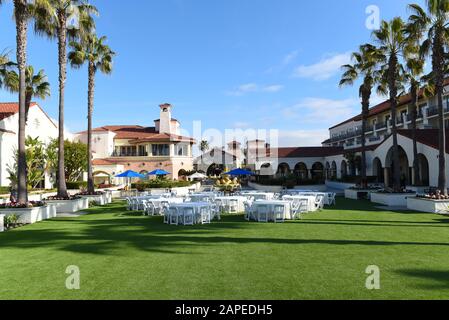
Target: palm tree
434	25
92	51
204	146
37	86
5	66
364	67
54	21
22	13
392	44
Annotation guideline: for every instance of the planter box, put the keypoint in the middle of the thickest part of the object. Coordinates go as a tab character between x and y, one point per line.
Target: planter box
70	206
32	215
2	222
358	194
100	199
427	205
391	199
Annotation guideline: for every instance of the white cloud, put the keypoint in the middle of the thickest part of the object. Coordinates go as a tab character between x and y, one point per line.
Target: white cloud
287	60
325	69
321	110
302	138
273	88
254	87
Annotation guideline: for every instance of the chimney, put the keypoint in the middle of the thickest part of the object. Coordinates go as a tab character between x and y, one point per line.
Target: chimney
165	118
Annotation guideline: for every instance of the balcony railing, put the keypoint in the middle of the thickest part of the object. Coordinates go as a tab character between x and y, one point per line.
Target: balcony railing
129	154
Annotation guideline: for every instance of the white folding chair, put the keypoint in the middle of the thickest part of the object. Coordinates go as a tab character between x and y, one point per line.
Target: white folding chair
332	198
279	214
262	213
129	203
173	214
248	211
319	202
205	215
188	216
233	206
166	213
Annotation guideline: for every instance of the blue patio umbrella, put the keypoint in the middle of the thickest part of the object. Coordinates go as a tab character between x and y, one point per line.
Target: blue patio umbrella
158	172
239	172
130	174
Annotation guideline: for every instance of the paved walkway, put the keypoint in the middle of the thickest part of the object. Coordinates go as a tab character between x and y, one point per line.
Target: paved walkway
71	215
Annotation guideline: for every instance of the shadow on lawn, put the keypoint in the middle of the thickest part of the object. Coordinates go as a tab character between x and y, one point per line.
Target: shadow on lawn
109	228
440	278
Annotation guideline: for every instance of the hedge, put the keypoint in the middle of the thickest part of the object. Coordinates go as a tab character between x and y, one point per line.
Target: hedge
160	184
76	185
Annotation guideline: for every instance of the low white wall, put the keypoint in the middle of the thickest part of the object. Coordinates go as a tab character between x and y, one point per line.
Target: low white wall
277	189
71	206
428	206
32	215
339	185
2	221
391	200
100	199
182	191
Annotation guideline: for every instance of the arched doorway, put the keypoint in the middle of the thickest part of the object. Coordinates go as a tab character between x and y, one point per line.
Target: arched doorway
318	172
283	169
301	171
404	168
344	169
423	169
182	174
378	171
215	169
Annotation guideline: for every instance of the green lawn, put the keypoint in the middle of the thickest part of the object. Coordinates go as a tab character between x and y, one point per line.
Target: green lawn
324	256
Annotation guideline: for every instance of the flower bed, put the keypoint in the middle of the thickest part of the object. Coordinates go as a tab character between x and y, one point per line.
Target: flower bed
29	214
423	204
100	198
391	199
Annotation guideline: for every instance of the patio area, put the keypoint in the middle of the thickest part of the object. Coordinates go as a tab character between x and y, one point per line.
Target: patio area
124	255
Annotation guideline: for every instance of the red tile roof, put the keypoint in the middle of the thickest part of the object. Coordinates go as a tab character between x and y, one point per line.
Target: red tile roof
385	106
8	109
138	134
307	152
428	137
103	162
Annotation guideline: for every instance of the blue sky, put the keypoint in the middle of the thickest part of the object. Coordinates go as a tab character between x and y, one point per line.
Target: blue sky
231	64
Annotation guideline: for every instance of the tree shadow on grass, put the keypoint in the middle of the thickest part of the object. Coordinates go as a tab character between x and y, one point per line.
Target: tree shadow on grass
110	230
440	279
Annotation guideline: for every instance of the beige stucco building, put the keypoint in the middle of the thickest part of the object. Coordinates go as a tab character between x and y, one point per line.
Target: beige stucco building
118	148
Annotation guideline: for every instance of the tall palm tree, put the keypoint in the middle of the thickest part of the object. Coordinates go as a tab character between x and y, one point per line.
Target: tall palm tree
55	21
434	24
364	66
392	43
92	51
37	86
22	13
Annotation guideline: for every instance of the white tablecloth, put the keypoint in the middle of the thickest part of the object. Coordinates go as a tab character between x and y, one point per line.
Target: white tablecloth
259	195
271	204
310	201
196	206
240	200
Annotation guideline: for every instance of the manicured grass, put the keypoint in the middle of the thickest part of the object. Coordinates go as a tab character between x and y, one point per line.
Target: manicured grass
324	256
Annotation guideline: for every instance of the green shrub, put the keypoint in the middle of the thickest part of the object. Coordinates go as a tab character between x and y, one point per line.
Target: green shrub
4	190
76	185
160	184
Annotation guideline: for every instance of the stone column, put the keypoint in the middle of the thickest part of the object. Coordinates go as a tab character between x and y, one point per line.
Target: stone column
386	176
